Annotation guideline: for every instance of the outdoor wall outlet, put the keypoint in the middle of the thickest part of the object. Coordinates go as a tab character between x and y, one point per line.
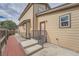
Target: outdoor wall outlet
57	39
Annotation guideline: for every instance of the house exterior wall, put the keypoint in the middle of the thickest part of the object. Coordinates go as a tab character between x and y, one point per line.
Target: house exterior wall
38	6
31	14
28	15
66	37
22	30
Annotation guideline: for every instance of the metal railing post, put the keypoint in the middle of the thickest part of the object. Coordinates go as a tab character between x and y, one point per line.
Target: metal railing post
41	38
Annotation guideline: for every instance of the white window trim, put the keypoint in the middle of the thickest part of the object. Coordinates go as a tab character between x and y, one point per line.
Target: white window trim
69	21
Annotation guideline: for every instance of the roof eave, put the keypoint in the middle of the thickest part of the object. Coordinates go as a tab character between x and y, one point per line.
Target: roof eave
68	5
25	10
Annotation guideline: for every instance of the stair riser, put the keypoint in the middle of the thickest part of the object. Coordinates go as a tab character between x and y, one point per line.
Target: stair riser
34	52
30	45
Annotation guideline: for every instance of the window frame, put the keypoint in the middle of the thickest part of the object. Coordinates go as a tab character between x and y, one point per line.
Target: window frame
40	9
69	21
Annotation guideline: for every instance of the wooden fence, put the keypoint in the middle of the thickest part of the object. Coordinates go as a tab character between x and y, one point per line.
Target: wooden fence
3	38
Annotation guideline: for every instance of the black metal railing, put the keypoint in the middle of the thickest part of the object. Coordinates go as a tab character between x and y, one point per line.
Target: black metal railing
41	36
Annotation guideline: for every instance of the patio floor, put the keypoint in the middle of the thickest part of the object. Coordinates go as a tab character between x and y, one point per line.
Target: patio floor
54	50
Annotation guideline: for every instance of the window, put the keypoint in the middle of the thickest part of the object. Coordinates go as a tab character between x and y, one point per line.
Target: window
41	9
64	21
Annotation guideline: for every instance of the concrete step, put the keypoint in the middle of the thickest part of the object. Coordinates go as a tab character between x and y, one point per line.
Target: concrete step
29	43
19	38
32	49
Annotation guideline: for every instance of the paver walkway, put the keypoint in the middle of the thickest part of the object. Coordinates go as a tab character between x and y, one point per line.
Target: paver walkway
13	48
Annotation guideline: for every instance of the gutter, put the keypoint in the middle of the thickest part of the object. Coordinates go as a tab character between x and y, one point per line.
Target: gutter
65	6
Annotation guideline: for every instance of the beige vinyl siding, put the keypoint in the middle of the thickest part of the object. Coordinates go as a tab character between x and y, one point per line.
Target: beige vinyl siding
67	37
28	15
36	11
31	14
37	6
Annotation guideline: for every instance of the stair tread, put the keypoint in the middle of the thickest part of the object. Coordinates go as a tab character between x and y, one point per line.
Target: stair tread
29	42
32	49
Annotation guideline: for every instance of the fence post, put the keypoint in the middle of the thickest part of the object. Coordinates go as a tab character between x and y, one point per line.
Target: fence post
4	40
0	48
6	37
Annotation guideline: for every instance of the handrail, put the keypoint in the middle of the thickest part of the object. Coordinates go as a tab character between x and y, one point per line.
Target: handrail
3	41
41	38
37	35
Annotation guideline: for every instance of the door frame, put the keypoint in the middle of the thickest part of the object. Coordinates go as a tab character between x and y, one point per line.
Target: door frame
43	22
27	30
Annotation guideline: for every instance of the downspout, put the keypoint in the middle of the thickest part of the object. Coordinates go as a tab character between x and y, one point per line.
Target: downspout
26	29
33	20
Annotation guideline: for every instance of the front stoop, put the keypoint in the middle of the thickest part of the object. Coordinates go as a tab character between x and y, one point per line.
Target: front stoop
32	49
29	43
31	46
